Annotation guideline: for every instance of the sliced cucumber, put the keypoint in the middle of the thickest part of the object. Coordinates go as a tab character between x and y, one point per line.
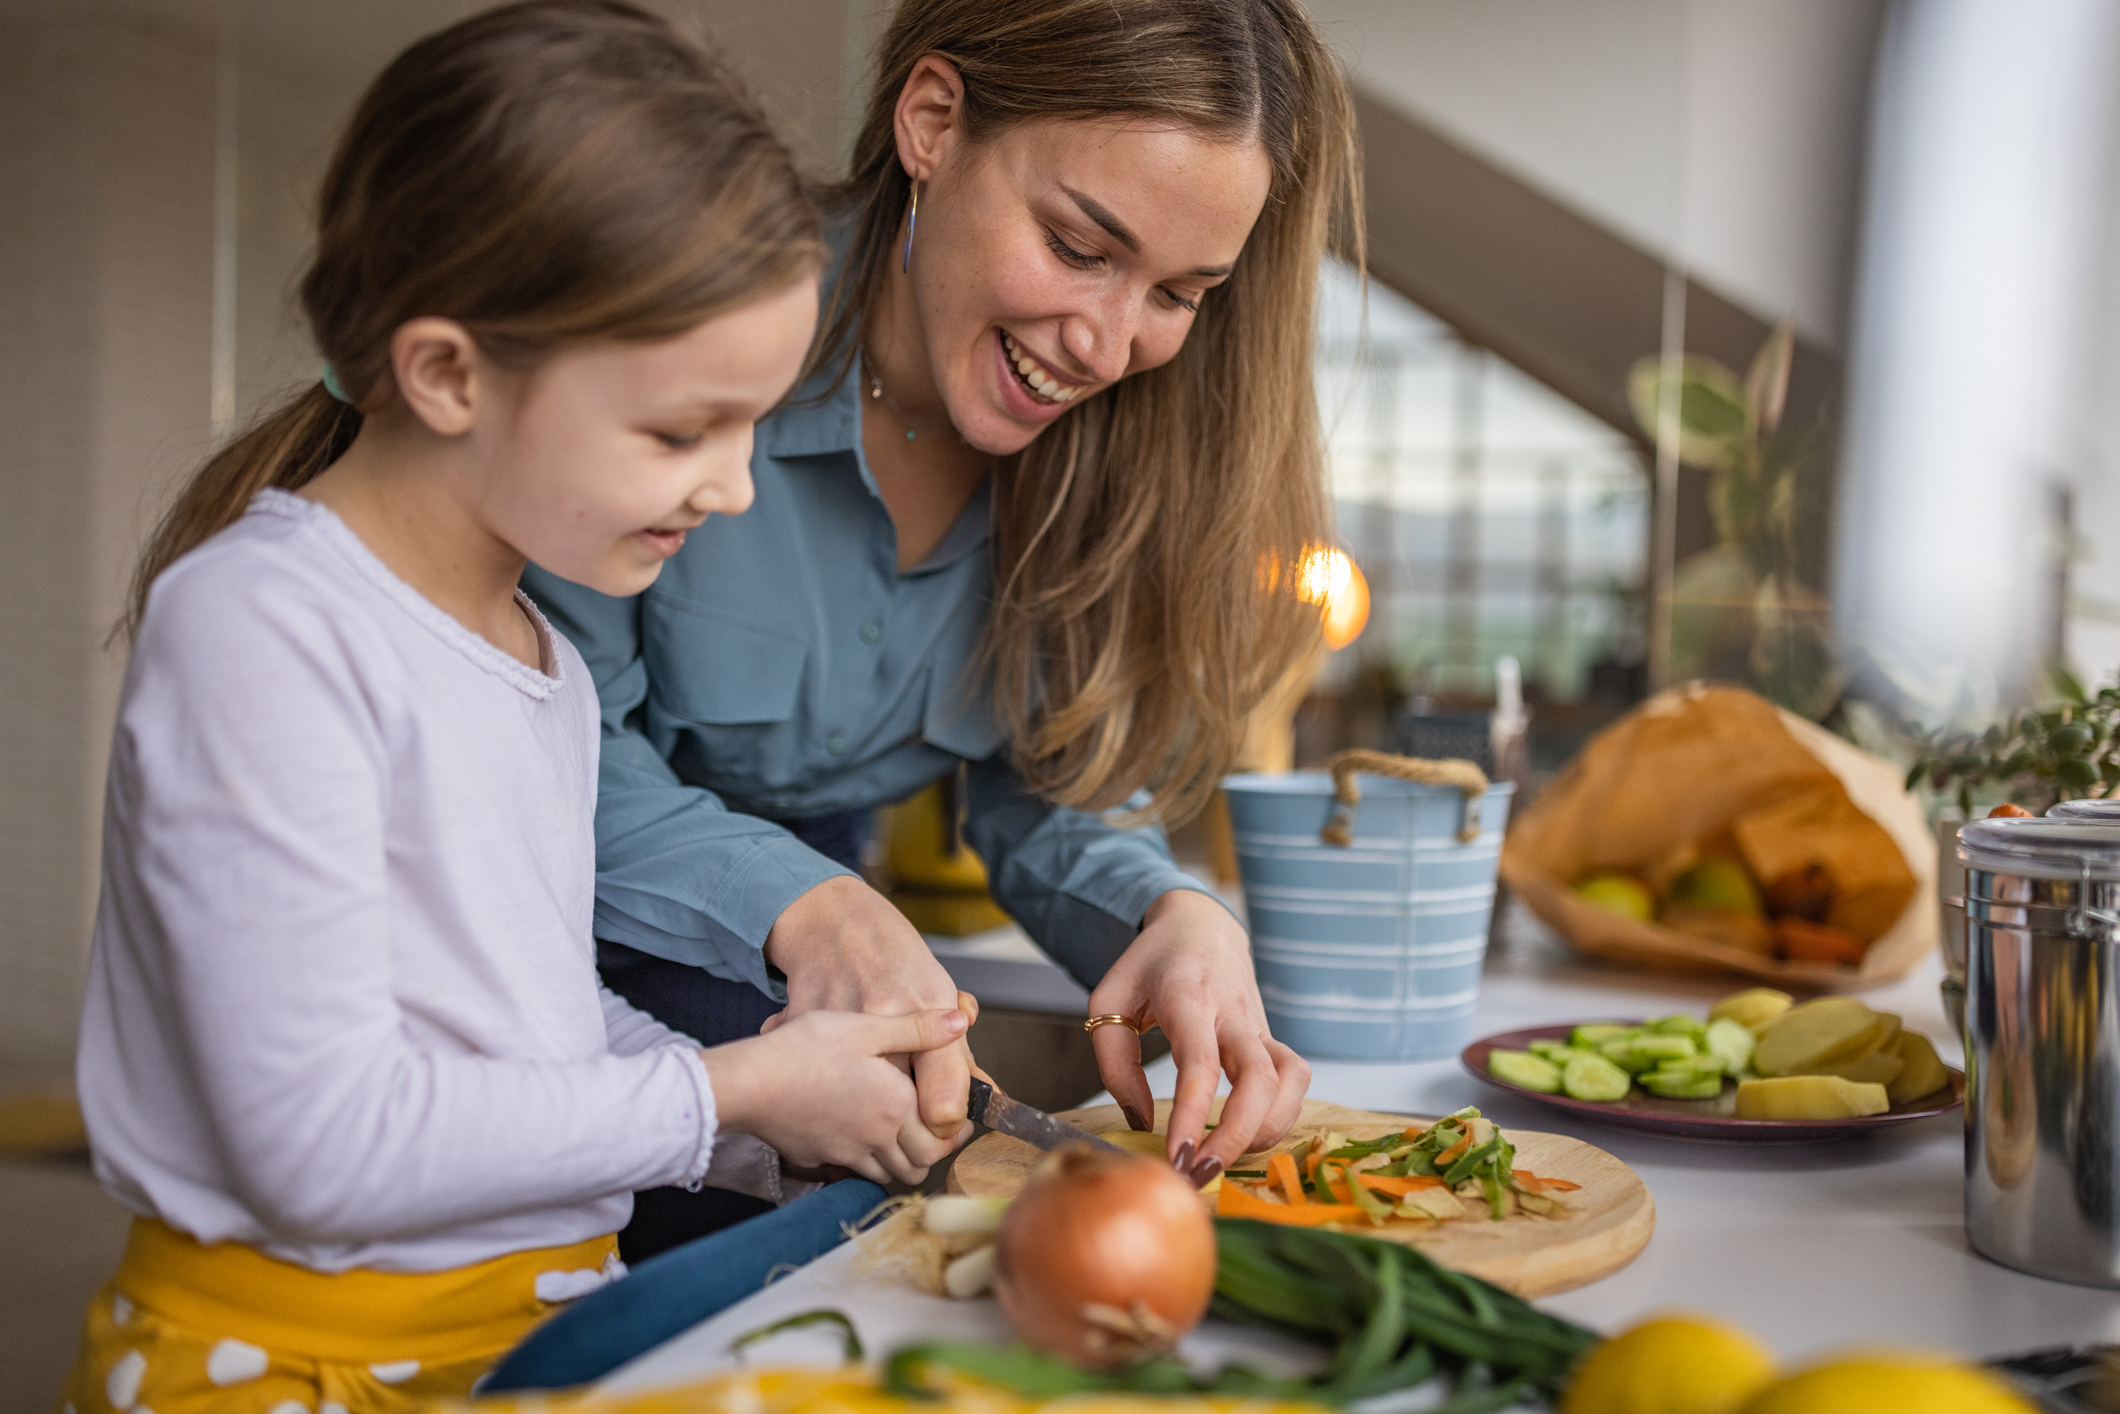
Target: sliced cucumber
1695	1066
1683	1085
1733	1041
1594	1078
1644	1051
1691	1027
1525	1069
1545	1046
1589	1035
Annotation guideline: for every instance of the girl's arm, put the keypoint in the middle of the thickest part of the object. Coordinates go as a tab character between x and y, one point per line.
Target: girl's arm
632	1031
247	877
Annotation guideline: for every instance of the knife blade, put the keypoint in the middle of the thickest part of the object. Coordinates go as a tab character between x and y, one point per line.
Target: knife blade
993	1108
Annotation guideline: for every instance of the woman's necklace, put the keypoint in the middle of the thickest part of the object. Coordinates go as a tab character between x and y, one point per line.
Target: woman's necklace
877	395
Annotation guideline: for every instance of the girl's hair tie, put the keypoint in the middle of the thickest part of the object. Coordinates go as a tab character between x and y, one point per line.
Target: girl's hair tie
331	385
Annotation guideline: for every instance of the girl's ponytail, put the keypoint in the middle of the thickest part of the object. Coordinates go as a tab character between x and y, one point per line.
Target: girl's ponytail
284	448
547	173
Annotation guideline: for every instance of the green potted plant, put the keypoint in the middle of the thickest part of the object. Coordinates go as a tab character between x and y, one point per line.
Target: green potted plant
1742	610
2034	758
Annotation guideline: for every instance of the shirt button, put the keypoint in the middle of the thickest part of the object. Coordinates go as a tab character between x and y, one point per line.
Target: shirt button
836	743
871	631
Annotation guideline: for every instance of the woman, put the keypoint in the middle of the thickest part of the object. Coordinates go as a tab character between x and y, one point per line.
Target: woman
1030	516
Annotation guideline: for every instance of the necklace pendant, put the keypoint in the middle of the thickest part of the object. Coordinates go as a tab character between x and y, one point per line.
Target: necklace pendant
908	434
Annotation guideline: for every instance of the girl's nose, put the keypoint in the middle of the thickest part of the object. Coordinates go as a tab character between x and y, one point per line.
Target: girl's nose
727	490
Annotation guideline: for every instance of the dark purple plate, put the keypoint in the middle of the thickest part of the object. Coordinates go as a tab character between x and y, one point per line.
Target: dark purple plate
1708	1121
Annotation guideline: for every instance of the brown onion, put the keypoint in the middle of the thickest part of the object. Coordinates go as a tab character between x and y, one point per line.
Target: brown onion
1105	1259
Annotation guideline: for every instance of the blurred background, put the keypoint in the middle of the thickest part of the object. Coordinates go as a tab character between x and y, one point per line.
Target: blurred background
1765	340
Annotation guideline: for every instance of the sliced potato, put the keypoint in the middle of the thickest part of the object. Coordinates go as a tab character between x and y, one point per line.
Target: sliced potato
1753	1008
1815	1034
1922	1072
1809	1097
1876	1068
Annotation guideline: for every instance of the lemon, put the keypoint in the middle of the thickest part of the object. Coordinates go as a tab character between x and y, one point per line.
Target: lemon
1888	1384
1672	1365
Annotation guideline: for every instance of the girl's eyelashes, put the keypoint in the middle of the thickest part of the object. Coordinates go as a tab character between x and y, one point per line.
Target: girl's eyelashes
680	441
1178	301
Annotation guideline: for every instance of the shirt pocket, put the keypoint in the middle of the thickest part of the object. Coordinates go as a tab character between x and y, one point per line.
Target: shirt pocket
957	720
714	666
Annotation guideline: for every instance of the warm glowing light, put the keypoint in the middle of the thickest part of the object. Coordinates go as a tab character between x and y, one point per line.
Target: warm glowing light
1329	579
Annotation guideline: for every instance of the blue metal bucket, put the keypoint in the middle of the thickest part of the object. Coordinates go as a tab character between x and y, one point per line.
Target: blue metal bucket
1373	951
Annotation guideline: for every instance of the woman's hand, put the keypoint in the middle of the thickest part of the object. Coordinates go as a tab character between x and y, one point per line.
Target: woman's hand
1189	971
844	948
830	1088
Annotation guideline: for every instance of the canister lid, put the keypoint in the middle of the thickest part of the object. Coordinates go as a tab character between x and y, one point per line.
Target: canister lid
2085	810
2042	849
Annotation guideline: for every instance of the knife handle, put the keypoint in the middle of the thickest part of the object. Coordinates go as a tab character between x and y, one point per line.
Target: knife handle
982	1094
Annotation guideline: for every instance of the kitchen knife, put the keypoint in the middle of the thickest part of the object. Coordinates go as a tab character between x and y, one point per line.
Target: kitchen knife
994	1109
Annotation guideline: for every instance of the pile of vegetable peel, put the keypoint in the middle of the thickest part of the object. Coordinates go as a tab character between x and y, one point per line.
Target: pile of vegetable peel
1415	1175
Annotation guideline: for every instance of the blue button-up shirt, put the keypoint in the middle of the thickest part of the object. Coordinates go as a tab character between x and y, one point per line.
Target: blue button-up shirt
783	666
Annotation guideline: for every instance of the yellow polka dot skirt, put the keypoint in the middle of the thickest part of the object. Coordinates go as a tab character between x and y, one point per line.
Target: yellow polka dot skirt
185	1328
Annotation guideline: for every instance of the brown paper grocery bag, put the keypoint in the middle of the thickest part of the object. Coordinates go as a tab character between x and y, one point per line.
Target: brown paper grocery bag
1705	762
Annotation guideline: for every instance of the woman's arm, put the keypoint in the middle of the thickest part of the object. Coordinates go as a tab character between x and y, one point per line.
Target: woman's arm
678	874
1151	943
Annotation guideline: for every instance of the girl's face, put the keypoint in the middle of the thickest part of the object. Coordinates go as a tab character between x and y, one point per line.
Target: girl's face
1064	255
613	451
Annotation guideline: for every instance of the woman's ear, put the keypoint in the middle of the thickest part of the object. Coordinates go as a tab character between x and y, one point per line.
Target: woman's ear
439	373
930	114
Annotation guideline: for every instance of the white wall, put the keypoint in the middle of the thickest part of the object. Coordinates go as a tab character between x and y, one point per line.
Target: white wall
1725	133
106	162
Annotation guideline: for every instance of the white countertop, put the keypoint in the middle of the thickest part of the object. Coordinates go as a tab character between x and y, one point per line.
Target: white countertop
1810	1247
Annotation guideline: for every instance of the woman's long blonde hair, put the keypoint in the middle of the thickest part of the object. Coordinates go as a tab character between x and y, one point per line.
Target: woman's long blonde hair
1145	545
546	173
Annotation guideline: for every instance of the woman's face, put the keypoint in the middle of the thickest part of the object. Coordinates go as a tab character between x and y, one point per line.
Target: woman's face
1064	255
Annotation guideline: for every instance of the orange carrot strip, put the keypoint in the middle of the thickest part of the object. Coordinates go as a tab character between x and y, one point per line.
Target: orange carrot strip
1234	1202
1536	1184
1412	1131
1397	1187
1455	1152
1281	1169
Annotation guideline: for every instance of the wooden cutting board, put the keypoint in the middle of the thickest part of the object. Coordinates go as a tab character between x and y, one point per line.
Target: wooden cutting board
1608	1223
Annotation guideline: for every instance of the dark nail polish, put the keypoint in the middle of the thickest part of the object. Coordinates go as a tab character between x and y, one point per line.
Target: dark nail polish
1203	1172
1184	1160
1133	1118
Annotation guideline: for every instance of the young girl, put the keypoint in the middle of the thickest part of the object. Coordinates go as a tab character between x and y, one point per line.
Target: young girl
344	1053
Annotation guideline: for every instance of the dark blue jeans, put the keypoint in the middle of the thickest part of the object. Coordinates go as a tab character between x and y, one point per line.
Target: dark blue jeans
678	1290
711	1010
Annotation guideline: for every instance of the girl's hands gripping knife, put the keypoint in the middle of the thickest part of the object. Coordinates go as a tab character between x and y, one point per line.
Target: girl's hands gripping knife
831	1088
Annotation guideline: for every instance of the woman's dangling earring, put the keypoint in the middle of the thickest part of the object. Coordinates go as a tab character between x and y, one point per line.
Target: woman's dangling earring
912	219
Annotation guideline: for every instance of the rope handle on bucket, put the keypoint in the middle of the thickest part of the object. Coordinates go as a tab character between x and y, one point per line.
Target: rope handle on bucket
1470	779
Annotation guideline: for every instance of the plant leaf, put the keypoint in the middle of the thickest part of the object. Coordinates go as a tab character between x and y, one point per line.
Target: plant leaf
1767	384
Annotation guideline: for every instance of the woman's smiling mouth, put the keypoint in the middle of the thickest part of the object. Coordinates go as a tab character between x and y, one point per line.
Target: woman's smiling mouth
1040	384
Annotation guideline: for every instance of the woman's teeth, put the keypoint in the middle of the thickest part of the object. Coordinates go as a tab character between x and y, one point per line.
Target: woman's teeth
1028	373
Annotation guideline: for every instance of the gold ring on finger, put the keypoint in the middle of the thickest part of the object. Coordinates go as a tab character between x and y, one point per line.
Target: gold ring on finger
1113	1020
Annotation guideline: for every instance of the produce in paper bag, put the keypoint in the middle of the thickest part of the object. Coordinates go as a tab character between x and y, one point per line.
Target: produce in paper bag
1703	776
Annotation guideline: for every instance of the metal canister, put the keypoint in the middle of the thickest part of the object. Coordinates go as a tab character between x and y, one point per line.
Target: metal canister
2086	810
2042	1033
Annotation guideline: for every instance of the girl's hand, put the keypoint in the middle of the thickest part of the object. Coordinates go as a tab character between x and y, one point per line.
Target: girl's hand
829	1088
843	947
1189	971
